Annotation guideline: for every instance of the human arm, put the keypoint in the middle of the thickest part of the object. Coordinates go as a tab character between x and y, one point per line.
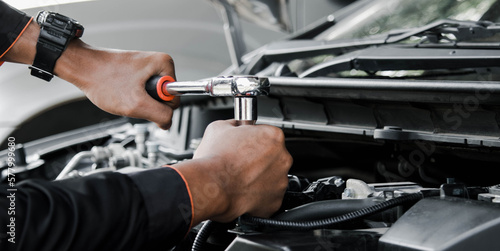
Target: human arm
104	211
235	170
235	184
112	79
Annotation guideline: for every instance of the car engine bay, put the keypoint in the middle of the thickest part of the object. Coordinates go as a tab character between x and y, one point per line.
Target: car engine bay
346	191
394	134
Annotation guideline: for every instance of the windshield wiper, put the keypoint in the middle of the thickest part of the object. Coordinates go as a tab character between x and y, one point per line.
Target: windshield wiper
434	32
400	57
461	30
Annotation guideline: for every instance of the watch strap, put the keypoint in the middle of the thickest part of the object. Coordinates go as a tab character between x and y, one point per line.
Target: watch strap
45	59
56	31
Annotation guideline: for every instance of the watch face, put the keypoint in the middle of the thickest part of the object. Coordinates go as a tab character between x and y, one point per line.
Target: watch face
69	27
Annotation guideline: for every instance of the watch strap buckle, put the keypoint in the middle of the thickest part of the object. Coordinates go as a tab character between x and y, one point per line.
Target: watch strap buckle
40	73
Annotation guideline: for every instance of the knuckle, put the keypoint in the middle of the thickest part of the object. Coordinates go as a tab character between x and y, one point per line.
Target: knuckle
287	160
279	135
283	185
166	59
274	133
214	125
219	122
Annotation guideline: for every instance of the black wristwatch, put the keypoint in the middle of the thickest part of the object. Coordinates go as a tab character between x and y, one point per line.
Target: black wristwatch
56	31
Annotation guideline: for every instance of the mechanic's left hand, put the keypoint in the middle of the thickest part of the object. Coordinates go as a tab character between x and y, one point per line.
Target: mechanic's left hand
237	170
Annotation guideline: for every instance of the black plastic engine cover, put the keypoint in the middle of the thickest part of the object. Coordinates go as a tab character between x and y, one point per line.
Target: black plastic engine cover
307	241
445	224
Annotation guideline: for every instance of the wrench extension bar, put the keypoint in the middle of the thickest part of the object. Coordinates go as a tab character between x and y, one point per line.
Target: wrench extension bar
163	88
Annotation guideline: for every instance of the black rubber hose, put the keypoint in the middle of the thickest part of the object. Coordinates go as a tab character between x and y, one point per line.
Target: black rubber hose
329	222
325	209
202	236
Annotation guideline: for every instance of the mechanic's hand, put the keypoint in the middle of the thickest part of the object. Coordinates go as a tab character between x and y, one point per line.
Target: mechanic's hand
113	80
238	170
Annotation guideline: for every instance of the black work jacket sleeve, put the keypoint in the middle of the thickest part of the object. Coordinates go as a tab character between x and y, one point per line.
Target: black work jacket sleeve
12	24
106	211
146	210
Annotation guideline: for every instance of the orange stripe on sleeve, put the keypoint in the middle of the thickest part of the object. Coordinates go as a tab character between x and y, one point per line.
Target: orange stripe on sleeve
190	196
20	34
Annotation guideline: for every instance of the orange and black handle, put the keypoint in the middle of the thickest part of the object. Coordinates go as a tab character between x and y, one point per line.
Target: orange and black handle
156	87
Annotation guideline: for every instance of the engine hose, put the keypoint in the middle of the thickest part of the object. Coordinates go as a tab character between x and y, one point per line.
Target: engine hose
329	222
328	208
202	236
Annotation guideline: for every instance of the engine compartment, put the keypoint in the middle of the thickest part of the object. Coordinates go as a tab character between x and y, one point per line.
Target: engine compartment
346	191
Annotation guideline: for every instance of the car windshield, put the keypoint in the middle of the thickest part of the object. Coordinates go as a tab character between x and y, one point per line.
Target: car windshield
384	15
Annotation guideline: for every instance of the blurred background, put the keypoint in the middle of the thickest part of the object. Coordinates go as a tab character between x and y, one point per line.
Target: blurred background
191	31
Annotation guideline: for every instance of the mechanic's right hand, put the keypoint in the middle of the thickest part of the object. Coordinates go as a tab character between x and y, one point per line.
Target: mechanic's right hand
237	170
114	80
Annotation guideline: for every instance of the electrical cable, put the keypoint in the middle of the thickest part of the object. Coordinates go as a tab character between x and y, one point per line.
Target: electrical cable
202	236
329	222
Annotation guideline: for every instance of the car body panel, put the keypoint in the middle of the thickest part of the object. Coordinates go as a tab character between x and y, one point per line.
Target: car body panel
189	30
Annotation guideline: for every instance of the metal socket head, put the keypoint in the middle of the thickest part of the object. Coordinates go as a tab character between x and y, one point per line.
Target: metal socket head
239	86
245	109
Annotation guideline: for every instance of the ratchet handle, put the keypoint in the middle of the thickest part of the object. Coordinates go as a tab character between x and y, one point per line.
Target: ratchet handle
156	87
